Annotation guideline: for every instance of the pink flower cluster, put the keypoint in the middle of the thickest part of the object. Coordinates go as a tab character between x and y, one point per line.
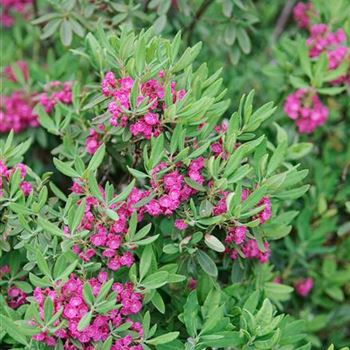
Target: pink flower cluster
70	297
306	108
108	234
10	75
16	112
6	173
333	44
92	142
15	296
237	237
170	187
10	7
217	148
265	214
151	94
321	39
304	286
302	12
54	92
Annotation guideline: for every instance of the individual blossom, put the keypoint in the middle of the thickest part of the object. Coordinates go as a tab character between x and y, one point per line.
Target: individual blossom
304	286
180	224
192	283
306	108
26	188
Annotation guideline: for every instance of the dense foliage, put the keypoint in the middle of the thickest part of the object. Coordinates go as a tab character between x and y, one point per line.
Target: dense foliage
150	199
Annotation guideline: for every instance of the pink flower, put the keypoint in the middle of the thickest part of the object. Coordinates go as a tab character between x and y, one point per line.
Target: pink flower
54	92
127	259
10	75
98	239
192	283
16	297
302	12
26	188
92	143
304	286
70	297
16	112
306	109
265	214
180	224
236	235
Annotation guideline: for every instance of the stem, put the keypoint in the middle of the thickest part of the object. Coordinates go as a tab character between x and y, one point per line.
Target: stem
283	19
197	16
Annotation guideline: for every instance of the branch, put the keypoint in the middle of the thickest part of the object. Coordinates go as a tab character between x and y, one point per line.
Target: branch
283	19
197	16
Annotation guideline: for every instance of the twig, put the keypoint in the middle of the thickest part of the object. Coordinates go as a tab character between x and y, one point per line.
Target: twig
283	19
197	16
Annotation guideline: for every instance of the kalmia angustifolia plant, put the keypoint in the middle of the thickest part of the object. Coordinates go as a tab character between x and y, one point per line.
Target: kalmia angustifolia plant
143	205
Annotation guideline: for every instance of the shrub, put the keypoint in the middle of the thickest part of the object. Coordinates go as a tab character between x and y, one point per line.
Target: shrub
142	208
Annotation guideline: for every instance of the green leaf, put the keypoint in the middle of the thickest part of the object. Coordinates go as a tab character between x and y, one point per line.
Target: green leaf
104	290
213	243
137	173
158	302
64	168
159	24
97	158
155	280
88	294
50	28
299	150
157	150
48	309
66	32
163	339
50	227
304	58
42	264
243	40
190	314
13	330
194	185
206	263
145	261
85	321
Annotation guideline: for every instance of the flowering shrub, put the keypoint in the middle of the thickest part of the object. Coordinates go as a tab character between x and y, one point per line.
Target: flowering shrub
144	206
